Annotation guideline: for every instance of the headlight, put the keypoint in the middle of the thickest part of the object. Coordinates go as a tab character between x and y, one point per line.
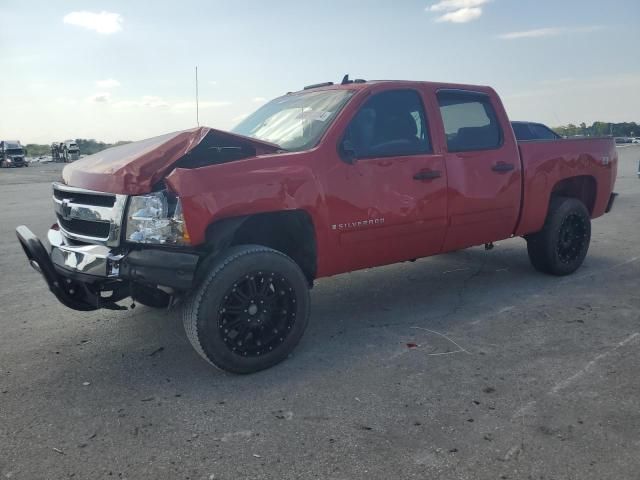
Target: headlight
156	218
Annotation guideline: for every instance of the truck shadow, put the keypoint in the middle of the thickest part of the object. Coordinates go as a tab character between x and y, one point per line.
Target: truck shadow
363	316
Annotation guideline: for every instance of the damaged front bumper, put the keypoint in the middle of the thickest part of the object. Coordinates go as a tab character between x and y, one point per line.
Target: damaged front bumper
88	277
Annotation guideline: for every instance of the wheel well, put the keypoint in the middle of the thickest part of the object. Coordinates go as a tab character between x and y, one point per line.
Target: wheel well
290	232
582	188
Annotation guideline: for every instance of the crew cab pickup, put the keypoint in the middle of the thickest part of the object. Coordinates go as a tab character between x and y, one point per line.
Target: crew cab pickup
236	226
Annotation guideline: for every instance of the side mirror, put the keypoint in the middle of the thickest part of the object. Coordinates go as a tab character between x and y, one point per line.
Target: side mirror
348	152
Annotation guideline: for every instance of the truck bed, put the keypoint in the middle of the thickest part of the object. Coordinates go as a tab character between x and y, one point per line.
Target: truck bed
546	166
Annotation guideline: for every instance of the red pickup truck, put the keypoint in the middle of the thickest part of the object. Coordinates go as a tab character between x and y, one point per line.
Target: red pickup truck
237	226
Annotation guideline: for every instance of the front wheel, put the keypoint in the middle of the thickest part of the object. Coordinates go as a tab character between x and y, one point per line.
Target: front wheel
562	244
250	311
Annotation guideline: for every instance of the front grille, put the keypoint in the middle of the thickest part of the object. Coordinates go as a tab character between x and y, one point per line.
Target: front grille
86	198
89	216
84	227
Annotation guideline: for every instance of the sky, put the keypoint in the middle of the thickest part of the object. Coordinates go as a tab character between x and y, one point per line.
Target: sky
123	70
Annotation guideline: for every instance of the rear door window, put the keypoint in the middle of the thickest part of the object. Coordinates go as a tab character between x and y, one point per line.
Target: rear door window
470	121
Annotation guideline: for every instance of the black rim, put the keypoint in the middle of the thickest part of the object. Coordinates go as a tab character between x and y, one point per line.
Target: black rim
572	238
257	313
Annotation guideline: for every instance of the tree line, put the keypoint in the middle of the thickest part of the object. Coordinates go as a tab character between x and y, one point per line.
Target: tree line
600	129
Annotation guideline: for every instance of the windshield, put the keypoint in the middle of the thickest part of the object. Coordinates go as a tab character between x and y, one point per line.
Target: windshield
295	122
14	149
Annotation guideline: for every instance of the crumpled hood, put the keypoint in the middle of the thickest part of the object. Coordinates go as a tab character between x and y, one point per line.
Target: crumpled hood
133	168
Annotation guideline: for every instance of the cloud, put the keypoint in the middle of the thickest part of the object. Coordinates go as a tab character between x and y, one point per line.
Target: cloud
108	83
548	32
213	83
103	97
258	99
463	15
450	5
103	22
458	11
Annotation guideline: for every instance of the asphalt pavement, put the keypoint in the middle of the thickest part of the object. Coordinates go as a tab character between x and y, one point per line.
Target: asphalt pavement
464	366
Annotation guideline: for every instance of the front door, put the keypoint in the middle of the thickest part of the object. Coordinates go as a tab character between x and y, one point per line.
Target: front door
392	202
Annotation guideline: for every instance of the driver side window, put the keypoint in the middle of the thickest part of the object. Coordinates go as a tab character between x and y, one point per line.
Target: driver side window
390	124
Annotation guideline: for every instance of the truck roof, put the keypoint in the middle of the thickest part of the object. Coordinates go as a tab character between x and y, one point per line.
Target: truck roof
364	85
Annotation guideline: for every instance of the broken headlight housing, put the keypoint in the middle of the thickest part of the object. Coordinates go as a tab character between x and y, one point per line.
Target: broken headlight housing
156	218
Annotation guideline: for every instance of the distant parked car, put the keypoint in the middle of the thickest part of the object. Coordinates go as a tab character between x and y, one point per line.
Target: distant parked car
624	140
533	131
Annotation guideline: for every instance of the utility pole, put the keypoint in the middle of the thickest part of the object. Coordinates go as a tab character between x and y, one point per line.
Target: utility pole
197	103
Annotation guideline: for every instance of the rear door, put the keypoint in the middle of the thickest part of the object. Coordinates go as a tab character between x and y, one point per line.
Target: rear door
483	169
392	201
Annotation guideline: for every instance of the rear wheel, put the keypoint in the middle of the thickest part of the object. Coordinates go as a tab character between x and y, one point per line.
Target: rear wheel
562	244
250	311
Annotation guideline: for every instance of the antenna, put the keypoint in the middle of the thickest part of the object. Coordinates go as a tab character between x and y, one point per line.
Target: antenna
197	103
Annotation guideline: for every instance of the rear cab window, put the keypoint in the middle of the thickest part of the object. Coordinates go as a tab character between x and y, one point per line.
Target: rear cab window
470	121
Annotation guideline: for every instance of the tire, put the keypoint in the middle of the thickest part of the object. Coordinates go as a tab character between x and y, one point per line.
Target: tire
562	244
239	284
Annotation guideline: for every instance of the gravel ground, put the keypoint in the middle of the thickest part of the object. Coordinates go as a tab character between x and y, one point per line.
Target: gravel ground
465	366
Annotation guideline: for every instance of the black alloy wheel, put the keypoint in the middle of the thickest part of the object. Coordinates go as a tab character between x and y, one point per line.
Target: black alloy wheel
257	313
571	238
